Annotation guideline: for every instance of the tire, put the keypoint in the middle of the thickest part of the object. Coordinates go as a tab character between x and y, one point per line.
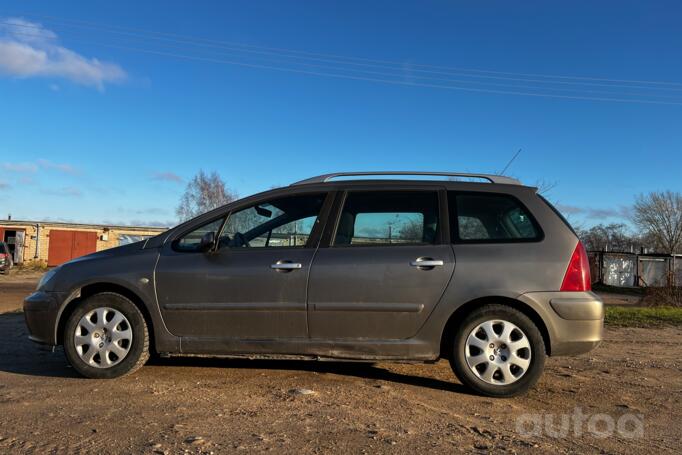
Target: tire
515	344
120	344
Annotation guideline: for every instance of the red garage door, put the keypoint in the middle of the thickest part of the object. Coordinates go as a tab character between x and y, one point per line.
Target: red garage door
66	245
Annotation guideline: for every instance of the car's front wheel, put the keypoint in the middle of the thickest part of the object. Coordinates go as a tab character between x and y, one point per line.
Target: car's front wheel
498	351
106	337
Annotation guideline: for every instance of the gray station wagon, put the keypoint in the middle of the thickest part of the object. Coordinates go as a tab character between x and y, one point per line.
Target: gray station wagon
366	266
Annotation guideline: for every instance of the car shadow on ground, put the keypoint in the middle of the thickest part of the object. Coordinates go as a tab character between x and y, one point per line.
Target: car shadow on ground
361	370
19	355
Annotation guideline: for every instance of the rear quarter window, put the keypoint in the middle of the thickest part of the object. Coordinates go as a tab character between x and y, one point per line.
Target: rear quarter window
490	218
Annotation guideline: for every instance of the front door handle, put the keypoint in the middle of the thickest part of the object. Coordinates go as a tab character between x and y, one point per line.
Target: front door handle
424	263
285	266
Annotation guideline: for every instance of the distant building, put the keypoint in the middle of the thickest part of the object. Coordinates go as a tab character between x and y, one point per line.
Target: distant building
54	243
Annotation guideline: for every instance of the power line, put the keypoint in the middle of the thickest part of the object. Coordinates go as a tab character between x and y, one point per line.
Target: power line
394	82
401	75
379	80
196	40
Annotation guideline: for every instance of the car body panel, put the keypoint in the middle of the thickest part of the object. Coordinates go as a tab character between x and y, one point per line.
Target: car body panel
6	260
363	303
223	294
373	292
129	268
569	336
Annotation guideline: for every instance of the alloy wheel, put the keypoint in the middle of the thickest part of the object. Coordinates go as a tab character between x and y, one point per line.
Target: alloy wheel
498	352
103	337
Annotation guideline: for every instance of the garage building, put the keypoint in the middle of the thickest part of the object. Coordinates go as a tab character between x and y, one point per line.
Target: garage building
53	243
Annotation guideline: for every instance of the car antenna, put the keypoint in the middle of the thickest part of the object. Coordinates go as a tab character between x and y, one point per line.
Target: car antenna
510	161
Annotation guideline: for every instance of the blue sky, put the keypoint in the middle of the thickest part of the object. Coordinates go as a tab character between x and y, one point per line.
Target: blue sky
107	125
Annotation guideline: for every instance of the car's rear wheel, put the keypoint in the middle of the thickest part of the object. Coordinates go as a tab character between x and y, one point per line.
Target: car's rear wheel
106	337
498	351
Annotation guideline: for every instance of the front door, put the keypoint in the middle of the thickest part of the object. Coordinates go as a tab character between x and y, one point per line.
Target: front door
385	269
253	283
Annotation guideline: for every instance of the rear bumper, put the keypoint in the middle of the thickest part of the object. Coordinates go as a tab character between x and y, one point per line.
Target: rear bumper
574	320
40	312
578	308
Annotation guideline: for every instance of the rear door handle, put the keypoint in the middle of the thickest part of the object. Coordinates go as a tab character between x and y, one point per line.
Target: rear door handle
286	266
426	263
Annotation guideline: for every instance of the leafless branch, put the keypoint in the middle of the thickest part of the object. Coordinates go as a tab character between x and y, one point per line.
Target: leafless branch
203	193
659	214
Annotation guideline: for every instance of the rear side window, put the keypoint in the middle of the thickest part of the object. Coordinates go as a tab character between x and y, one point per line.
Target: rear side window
489	217
388	218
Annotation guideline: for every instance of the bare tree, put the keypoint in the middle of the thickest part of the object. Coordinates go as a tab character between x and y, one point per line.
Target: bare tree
611	237
412	230
203	193
545	186
659	214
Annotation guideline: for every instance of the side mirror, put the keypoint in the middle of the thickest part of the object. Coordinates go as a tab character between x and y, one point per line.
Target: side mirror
263	211
207	242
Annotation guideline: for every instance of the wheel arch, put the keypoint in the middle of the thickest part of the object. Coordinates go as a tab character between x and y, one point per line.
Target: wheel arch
91	289
450	327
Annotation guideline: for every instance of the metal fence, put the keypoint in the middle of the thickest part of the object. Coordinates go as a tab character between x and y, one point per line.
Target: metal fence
633	270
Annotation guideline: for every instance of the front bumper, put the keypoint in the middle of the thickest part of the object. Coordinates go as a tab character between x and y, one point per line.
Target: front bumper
574	320
41	312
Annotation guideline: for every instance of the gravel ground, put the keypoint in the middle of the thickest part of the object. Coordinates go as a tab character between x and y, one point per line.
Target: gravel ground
14	287
199	405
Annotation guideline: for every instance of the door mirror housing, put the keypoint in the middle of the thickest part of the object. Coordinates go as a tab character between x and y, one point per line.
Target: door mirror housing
263	211
207	242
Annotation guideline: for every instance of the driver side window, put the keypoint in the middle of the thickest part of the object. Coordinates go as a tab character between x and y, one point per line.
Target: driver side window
285	222
190	242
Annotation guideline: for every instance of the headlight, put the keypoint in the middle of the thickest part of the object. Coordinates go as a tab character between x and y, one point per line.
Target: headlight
47	276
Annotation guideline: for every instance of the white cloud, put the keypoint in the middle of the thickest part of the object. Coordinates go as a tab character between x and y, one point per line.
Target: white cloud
68	191
144	211
32	167
27	49
19	167
596	213
166	176
61	167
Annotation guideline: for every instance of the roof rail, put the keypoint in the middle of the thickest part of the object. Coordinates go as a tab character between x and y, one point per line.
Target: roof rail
489	177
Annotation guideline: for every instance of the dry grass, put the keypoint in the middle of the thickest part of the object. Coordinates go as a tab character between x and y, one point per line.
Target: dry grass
30	267
669	296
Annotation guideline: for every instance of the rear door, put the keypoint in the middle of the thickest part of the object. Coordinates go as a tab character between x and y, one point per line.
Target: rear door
384	267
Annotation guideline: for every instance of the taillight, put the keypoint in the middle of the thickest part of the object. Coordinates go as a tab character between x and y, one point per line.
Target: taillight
3	255
577	276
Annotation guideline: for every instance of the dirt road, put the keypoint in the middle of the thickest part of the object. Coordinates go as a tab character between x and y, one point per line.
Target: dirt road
14	287
214	405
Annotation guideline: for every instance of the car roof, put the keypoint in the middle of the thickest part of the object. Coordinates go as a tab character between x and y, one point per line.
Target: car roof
451	176
393	183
